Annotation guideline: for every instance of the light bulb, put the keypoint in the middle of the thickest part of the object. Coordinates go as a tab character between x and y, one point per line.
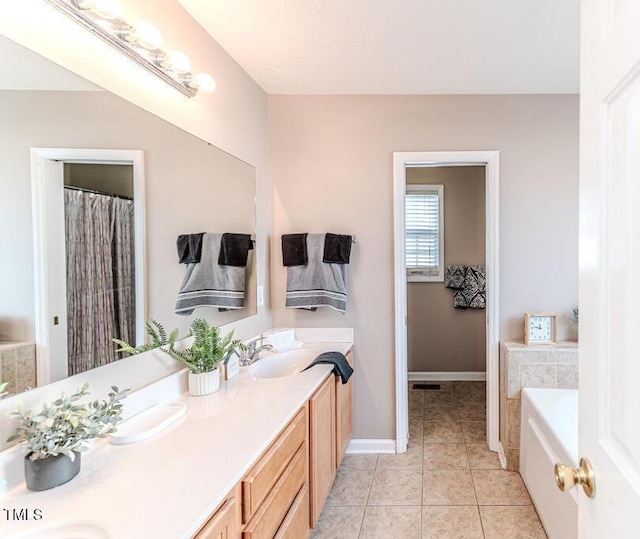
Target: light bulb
106	9
177	61
203	82
146	35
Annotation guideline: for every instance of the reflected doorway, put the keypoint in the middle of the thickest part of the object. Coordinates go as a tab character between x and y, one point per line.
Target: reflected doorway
89	257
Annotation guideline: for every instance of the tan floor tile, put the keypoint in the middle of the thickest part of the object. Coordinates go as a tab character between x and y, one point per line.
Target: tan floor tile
339	523
471	393
416	414
442	433
472	397
415	431
447	487
500	487
391	523
396	487
514	522
411	459
470	386
481	457
445	456
442	414
474	431
416	398
448	522
472	412
416	406
351	487
359	462
440	397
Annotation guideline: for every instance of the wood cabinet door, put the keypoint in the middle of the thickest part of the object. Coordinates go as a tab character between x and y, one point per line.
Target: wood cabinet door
225	522
322	461
344	410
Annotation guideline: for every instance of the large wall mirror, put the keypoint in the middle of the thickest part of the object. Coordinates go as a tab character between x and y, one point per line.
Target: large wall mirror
135	183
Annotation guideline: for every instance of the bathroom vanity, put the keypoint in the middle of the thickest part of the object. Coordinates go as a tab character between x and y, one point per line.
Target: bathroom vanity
255	460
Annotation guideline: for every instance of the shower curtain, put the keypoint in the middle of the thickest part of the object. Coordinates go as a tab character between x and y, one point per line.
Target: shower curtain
100	277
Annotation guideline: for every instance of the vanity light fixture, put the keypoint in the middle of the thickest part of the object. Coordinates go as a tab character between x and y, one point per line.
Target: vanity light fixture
140	42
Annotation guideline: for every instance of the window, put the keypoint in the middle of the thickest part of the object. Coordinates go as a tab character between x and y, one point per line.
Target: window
424	245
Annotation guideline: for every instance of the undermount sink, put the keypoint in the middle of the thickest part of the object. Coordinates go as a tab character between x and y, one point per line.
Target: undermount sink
64	530
283	363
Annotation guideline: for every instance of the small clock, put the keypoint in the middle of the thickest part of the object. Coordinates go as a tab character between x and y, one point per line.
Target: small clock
540	328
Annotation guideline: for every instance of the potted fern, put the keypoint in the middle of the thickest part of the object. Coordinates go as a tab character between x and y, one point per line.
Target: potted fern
58	433
208	350
159	338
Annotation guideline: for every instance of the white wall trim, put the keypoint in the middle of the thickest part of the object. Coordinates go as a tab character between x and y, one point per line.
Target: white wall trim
402	161
464	376
364	445
41	285
502	456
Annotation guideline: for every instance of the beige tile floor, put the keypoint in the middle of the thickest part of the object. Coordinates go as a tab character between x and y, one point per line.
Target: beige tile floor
448	485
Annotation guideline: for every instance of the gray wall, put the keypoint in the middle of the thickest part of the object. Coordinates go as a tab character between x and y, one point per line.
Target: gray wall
439	337
331	168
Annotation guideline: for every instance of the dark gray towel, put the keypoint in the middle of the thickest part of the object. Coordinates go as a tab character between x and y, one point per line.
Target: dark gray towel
189	248
209	284
340	364
317	284
234	249
337	248
294	250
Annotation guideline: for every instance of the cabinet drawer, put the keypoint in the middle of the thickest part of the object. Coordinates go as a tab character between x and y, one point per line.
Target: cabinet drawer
296	525
257	484
267	520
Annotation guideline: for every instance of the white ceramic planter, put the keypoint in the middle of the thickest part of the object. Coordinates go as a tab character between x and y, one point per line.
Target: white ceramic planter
204	383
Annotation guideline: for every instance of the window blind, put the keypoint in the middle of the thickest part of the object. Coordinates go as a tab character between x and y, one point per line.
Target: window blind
422	230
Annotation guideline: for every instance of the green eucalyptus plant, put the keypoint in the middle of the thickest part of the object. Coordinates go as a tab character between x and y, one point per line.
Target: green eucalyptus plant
66	425
3	393
208	350
159	337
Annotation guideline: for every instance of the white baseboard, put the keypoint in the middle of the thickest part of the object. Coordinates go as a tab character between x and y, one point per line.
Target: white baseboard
375	445
467	376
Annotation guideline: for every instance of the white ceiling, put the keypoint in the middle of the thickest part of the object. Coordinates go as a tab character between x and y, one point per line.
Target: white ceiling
399	46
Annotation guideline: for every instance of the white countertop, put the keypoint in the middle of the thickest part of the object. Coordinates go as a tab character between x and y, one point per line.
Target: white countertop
168	485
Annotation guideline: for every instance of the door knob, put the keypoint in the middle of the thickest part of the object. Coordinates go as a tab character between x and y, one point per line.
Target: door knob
567	477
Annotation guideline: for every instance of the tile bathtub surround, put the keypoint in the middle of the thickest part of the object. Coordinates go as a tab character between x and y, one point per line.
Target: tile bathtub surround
542	366
447	485
18	366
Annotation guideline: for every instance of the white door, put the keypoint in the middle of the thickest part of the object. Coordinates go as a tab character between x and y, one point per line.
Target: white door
51	248
610	266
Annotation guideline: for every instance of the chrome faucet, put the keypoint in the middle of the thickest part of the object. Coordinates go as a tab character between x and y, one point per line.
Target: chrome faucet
250	352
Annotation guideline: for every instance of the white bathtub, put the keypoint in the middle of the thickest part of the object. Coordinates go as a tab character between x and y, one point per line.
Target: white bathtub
549	434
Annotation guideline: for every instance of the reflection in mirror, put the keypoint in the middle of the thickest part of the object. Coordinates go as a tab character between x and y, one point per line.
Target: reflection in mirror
99	227
189	187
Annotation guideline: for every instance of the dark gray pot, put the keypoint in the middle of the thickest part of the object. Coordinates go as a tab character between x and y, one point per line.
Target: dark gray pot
43	474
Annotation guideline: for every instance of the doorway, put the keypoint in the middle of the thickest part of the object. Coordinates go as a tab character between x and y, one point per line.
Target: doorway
404	161
446	274
107	258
